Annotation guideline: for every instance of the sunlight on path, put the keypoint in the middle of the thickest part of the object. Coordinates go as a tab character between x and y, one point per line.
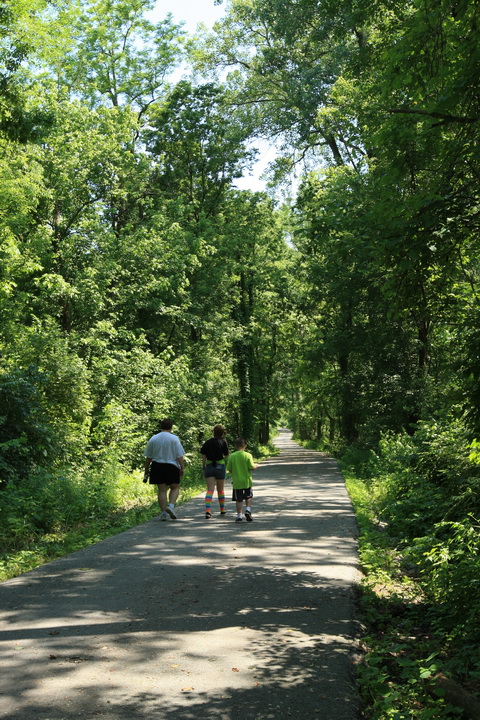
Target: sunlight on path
194	618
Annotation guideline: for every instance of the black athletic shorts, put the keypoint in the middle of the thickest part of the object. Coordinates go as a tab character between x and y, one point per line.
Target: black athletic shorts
242	494
164	474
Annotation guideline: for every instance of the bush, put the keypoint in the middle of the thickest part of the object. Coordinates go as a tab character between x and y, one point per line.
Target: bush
424	491
421	480
449	563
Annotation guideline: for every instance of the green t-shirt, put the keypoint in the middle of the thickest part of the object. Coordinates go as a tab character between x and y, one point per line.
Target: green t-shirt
239	464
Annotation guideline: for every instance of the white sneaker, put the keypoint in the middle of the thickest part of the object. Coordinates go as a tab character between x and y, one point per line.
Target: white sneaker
172	513
163	515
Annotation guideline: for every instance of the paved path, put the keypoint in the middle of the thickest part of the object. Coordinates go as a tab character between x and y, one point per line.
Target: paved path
195	619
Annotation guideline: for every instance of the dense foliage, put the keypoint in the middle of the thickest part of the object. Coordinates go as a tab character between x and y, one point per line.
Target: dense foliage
136	280
417	503
376	107
384	98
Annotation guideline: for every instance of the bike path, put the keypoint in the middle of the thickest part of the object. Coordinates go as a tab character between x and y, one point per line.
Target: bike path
194	618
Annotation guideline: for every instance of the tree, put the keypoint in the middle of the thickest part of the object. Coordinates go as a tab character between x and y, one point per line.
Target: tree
199	149
117	56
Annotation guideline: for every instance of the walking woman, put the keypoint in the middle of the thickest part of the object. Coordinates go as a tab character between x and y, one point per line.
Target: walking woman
214	455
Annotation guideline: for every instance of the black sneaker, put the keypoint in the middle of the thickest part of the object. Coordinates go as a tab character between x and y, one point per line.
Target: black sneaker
208	515
239	519
248	516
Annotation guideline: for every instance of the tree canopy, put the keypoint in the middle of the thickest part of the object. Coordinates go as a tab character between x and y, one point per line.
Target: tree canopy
137	281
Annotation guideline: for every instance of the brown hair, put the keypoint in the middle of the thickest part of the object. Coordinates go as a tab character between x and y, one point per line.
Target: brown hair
166	424
240	442
219	431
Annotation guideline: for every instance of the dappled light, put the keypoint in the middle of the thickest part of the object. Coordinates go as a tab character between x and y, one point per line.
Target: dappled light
195	619
139	281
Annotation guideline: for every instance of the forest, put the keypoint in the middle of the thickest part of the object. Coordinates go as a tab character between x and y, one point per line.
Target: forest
137	281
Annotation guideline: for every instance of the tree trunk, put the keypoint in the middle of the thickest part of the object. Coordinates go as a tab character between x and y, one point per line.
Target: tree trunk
423	337
347	415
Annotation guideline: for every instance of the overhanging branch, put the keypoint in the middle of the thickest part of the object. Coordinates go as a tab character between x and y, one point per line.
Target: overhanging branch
441	116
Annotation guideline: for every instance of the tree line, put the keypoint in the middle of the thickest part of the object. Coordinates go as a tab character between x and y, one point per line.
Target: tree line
137	281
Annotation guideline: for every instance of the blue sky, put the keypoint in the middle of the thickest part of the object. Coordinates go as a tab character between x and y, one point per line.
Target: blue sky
191	12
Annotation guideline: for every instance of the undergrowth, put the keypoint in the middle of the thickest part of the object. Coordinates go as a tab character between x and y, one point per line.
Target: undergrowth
53	515
417	505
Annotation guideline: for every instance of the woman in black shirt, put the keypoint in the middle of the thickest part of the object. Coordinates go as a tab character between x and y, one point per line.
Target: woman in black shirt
214	454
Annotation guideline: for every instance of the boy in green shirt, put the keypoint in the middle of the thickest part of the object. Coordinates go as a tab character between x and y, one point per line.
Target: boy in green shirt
239	465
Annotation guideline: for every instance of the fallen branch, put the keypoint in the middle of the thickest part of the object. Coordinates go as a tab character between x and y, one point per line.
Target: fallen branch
440	686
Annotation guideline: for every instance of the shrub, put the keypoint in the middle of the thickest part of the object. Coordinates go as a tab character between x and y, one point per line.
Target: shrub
449	563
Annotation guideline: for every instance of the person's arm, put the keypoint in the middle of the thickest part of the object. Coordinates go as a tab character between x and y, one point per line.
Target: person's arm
146	472
182	465
204	461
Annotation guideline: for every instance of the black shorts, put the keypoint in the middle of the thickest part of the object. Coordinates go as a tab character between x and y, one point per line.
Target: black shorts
164	474
217	471
242	494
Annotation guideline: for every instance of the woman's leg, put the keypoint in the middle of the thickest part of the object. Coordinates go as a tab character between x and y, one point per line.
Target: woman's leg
209	495
221	495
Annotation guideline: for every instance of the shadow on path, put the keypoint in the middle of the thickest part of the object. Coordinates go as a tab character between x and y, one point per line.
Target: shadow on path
193	618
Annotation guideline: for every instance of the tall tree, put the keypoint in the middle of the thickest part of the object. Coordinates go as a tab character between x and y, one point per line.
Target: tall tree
118	57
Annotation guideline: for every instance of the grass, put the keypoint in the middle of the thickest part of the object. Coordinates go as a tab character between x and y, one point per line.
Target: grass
31	552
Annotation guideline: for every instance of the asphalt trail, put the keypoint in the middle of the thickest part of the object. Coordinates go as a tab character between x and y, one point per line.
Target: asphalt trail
196	619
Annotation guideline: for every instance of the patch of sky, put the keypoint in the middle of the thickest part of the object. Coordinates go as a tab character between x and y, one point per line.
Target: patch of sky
192	13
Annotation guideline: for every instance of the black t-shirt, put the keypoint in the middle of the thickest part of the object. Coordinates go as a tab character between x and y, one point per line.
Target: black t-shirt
215	449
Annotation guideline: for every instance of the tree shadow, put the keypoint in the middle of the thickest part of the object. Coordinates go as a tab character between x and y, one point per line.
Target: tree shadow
190	619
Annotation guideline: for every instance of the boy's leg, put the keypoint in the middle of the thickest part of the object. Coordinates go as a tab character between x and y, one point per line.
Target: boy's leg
248	509
238	497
